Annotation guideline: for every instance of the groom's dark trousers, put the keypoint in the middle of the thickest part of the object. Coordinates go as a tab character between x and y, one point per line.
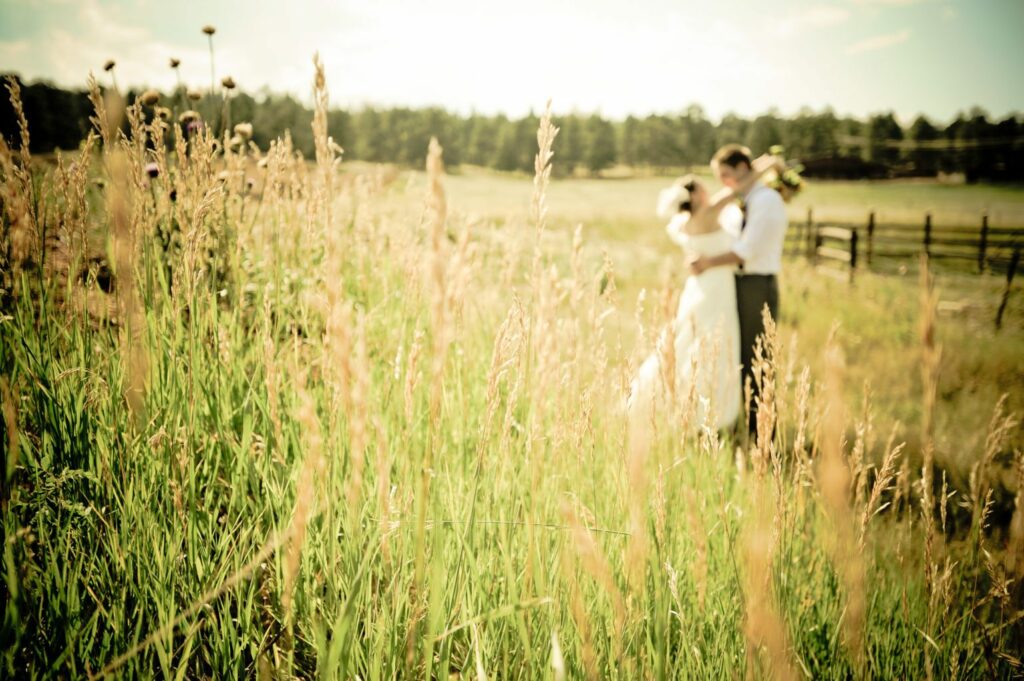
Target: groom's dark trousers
753	292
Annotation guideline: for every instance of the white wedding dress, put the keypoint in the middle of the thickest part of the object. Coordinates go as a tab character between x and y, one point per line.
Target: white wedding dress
707	337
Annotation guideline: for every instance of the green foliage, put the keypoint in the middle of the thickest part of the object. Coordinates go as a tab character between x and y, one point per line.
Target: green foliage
400	135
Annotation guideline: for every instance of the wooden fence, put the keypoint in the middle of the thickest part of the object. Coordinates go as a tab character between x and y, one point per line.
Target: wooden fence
873	245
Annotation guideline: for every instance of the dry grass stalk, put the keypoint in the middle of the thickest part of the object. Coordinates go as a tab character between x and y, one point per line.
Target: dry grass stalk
358	418
436	212
383	472
14	92
999	429
327	151
305	490
763	627
836	480
21	238
699	536
546	133
883	482
412	376
637	547
108	108
10	417
129	311
1014	557
594	562
580	616
802	474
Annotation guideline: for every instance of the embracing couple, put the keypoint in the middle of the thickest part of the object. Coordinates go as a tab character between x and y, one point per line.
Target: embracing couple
734	258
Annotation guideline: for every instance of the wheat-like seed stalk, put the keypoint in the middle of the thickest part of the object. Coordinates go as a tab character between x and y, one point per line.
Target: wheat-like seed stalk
835	480
305	491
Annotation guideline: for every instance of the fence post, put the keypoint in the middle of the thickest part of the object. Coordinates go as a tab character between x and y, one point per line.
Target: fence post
871	237
1014	261
928	234
853	253
983	243
810	234
817	244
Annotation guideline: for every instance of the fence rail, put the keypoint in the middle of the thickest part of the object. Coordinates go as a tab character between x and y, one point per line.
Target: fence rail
995	249
989	248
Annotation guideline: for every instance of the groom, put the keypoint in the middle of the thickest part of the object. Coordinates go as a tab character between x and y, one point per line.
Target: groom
757	255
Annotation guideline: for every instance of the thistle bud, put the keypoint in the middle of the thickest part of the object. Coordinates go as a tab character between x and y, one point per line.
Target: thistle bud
153	170
175	62
209	30
109	65
194	95
188	116
150	97
228	82
244	130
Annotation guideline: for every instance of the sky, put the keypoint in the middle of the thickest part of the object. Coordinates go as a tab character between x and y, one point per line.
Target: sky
615	57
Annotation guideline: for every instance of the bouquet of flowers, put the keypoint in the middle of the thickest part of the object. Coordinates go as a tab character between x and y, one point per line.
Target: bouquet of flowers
787	181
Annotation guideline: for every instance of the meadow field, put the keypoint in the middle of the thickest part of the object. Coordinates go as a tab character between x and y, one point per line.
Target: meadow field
270	418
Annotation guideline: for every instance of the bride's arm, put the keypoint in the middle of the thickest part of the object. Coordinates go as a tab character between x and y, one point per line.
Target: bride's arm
676	228
760	165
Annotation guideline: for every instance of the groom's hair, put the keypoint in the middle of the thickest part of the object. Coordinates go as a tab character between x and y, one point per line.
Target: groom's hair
731	155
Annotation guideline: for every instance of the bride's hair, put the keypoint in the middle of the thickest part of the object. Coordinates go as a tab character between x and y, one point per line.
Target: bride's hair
678	198
687	184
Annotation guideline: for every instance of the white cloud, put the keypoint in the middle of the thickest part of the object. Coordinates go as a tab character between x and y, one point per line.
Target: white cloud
879	42
820	16
891	3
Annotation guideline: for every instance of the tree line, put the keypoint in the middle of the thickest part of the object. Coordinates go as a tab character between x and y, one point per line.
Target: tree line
827	144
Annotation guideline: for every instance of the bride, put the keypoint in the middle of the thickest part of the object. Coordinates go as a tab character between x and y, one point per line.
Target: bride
705	354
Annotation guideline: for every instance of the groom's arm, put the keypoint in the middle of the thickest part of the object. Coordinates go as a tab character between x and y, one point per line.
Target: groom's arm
706	262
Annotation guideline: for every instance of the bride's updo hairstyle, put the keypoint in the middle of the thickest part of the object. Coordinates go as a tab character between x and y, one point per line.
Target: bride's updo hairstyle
688	184
679	197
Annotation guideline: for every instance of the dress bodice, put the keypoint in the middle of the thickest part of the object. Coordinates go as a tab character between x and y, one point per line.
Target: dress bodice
711	243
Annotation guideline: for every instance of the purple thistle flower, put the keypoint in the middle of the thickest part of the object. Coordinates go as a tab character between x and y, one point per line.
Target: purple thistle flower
152	169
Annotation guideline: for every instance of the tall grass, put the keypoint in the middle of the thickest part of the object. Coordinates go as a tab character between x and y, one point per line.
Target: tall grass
313	427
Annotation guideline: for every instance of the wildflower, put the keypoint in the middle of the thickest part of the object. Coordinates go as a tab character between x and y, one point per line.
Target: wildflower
189	117
152	169
244	130
150	97
194	95
228	82
194	126
175	63
209	30
163	113
109	65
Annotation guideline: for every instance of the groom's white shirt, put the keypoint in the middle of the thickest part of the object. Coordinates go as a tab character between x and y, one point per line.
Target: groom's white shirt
761	242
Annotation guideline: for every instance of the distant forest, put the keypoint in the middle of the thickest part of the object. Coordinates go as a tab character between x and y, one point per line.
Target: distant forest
828	145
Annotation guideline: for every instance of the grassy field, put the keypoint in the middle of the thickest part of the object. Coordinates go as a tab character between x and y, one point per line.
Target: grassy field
370	426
